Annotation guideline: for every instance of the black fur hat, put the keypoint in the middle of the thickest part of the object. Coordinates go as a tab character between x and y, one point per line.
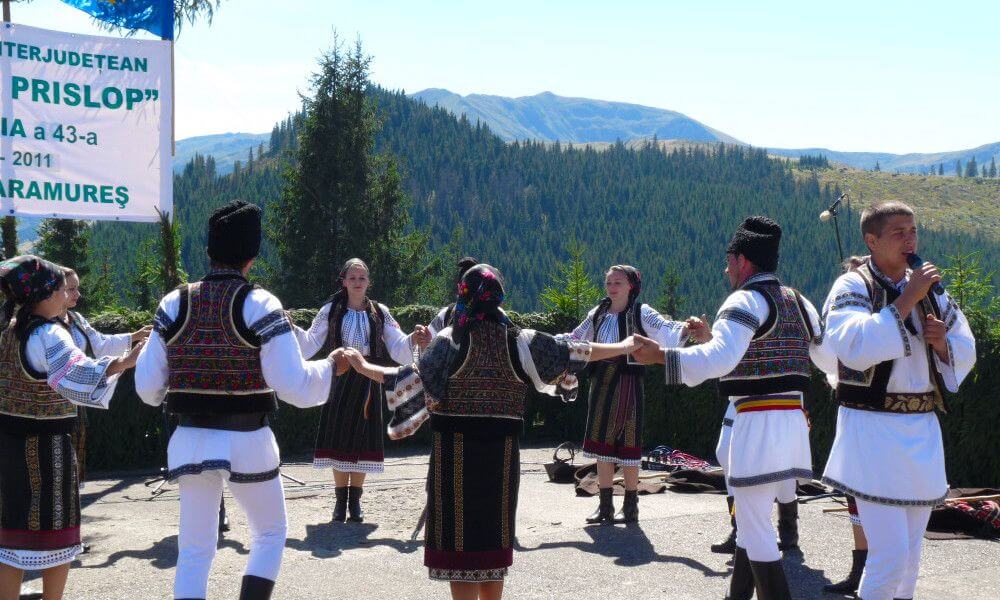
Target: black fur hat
234	233
757	238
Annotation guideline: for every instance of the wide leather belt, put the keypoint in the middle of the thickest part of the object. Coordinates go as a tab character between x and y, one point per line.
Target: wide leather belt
237	422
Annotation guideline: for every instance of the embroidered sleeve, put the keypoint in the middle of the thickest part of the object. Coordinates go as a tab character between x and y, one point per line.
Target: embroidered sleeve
902	330
552	363
409	390
161	322
585	330
399	344
740	316
271	326
667	332
71	373
849	298
672	366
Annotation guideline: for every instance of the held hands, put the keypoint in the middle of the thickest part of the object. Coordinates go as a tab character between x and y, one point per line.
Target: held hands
648	352
142	334
340	362
355	359
421	336
699	329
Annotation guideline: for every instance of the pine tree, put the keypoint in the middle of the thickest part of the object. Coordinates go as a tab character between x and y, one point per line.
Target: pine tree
8	227
64	242
941	169
670	301
101	294
572	292
993	168
971	170
958	168
341	199
984	172
878	167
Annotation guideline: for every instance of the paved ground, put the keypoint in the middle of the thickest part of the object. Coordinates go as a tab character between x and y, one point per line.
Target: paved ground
666	556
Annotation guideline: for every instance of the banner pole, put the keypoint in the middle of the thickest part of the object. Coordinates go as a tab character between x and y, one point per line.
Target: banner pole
6	11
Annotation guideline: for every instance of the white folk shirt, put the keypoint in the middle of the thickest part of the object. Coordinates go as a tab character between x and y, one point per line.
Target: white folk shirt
296	381
891	458
669	334
102	345
766	446
355	331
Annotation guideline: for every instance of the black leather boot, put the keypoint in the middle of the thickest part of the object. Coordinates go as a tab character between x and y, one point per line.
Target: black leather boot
340	508
354	504
605	512
630	508
741	583
769	579
850	585
788	525
256	588
729	545
223	519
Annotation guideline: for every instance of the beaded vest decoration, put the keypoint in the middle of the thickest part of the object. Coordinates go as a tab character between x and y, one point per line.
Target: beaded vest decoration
778	357
23	394
487	384
210	357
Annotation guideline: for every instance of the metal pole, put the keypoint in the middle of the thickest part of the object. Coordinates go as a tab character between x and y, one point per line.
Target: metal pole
6	11
836	229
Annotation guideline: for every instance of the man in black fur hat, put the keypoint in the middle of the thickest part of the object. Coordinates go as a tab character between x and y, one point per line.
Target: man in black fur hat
764	336
221	353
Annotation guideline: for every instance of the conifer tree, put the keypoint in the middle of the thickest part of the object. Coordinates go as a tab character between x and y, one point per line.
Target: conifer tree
572	292
8	227
993	168
971	170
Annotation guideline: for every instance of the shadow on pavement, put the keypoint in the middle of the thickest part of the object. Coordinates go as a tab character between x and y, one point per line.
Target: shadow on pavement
629	546
327	540
161	554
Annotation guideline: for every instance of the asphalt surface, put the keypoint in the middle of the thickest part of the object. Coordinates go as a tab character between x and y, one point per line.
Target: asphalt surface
134	545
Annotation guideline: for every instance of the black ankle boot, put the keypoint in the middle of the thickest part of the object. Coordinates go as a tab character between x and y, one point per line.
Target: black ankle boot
741	583
729	545
630	508
769	579
850	585
223	519
256	588
788	525
354	504
340	508
605	512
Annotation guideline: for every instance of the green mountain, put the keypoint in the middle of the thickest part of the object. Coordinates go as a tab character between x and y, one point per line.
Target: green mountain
519	205
901	163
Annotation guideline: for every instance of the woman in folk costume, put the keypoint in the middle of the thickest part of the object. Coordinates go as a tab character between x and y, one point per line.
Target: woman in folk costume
94	344
899	344
614	415
44	376
473	379
444	318
221	354
351	437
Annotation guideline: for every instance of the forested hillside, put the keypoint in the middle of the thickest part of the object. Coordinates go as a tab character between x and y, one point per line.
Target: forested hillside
520	205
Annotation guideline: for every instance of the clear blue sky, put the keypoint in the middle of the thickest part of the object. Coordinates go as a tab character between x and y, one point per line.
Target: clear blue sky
876	75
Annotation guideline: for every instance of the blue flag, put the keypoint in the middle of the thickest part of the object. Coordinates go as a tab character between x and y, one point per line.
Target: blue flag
154	16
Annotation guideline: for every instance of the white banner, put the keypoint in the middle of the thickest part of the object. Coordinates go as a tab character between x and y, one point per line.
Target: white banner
86	125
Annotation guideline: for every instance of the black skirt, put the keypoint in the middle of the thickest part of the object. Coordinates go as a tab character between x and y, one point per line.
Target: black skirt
351	435
471	505
614	414
39	499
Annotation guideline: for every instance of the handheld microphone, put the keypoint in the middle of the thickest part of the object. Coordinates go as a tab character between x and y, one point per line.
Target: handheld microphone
915	261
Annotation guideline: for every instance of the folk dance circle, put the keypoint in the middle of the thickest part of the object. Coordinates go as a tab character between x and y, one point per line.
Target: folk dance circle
221	352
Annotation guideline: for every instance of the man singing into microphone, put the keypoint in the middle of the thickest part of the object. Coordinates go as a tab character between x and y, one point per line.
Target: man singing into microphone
898	344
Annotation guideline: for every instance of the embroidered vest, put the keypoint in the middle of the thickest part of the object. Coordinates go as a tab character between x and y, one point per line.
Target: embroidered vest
632	317
27	403
487	384
866	390
777	359
213	357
